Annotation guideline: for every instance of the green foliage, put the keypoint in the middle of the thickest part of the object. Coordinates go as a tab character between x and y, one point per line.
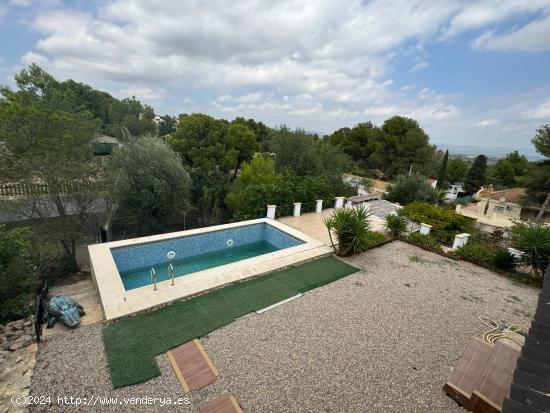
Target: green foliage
520	163
445	222
456	171
242	141
424	241
17	278
250	201
151	185
208	190
375	239
392	148
504	173
442	174
410	188
352	229
542	141
396	224
129	116
534	240
504	260
477	175
479	253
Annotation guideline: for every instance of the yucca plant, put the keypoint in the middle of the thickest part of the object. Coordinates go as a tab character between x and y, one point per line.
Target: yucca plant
534	240
396	224
505	260
351	227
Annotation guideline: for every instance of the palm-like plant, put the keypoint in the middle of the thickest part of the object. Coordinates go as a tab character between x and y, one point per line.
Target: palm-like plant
351	227
396	224
534	240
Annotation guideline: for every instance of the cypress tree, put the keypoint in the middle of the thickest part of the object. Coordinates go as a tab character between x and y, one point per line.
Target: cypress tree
442	174
477	175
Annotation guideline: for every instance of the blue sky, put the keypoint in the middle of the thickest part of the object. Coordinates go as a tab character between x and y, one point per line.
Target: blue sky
471	72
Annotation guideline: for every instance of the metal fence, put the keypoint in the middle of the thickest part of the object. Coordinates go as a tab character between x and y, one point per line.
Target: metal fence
31	190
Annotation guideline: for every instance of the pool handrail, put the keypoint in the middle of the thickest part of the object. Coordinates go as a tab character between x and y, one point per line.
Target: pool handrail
153	278
171	272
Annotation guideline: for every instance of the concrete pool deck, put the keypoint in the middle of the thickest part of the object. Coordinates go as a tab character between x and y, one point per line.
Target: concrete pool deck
118	302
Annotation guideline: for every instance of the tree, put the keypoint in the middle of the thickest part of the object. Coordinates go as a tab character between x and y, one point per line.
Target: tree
17	276
242	141
477	175
150	185
542	141
410	188
167	125
442	174
130	117
504	173
538	186
456	171
46	140
295	150
519	162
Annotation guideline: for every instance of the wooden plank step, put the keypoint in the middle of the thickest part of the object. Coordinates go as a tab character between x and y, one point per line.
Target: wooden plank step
226	403
496	379
192	366
467	374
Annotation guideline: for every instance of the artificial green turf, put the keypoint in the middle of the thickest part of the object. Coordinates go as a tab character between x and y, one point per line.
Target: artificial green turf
132	344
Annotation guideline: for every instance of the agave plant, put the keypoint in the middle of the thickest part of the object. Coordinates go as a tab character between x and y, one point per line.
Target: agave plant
396	224
534	240
351	227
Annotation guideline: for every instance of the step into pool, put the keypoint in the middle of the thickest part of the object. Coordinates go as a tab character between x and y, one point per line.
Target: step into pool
193	253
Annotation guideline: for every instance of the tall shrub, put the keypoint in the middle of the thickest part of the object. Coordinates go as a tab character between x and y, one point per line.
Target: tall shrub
534	240
17	278
351	227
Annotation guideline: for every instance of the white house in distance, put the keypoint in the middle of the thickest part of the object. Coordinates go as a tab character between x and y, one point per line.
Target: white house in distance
454	191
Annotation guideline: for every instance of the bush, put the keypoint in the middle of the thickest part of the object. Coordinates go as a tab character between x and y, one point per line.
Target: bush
425	241
445	222
534	240
17	278
396	224
477	253
352	229
504	260
150	185
375	239
410	188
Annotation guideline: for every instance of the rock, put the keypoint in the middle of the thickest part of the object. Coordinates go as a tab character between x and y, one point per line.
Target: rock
5	346
21	342
18	333
29	331
3	338
8	332
18	324
27	323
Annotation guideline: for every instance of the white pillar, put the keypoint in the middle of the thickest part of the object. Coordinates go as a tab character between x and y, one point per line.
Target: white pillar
319	206
297	207
516	253
339	202
425	229
460	240
271	211
348	204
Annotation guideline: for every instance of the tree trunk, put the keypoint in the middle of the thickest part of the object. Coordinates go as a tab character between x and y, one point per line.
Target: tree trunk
235	173
543	208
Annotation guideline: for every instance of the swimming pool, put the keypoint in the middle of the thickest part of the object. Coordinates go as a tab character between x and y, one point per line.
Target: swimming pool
194	253
203	259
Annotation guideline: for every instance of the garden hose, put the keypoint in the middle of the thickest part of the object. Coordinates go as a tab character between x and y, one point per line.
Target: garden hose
499	331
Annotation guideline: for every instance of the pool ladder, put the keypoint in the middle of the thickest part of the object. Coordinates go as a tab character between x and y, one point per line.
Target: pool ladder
171	272
153	274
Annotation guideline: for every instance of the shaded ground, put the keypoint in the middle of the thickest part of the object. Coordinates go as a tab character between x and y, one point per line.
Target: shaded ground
383	339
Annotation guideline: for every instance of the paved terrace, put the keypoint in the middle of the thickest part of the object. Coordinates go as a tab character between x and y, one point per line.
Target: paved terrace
312	223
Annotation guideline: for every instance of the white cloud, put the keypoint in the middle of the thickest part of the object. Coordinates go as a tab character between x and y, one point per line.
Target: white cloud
542	112
319	64
485	123
532	37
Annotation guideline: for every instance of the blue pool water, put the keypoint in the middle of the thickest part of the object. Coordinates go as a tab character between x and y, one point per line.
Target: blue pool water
197	252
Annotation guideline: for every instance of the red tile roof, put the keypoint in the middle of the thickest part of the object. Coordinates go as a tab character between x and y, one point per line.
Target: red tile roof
510	195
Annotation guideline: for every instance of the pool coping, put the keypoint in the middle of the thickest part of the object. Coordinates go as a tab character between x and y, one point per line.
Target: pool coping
118	302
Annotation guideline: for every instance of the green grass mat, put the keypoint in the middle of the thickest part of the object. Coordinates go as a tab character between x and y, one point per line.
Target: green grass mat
131	344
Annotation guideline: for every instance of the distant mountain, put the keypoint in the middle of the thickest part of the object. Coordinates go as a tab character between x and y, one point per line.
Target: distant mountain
491	151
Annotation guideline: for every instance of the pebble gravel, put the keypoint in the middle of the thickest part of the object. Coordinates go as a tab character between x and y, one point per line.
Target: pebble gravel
381	340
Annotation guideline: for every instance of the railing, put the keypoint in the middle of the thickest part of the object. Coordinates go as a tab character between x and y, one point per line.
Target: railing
171	272
153	274
29	190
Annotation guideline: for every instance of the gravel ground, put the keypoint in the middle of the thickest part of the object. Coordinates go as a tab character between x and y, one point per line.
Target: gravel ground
381	340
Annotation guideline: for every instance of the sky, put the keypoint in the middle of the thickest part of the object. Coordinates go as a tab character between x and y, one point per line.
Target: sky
471	72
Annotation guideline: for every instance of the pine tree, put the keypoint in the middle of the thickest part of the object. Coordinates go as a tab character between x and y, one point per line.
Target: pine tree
442	174
477	175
